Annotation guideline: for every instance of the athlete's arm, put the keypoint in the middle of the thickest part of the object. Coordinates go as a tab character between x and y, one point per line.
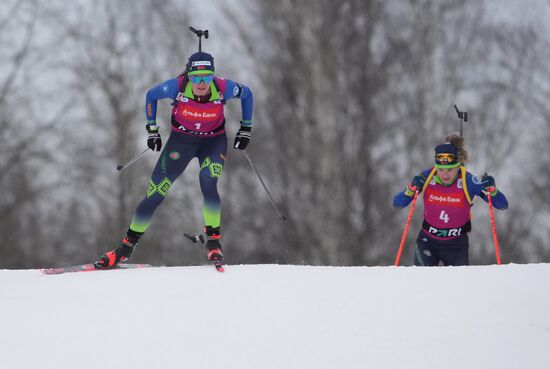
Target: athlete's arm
166	90
234	90
475	187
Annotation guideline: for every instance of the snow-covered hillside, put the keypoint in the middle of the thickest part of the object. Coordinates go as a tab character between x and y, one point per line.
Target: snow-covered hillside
280	317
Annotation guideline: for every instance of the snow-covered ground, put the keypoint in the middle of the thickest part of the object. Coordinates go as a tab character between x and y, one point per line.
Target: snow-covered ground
280	317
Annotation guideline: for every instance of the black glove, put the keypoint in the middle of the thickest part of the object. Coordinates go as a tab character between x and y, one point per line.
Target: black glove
488	183
242	138
417	184
154	142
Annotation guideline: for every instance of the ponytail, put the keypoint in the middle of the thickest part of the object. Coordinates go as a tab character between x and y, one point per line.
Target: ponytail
457	141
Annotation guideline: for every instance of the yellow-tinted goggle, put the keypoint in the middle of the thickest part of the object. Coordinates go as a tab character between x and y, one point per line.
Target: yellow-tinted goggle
445	158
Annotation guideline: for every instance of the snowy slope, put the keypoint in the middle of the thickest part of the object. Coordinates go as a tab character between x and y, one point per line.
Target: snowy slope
271	316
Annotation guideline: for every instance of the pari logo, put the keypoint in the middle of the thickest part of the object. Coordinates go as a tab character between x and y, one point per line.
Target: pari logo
451	232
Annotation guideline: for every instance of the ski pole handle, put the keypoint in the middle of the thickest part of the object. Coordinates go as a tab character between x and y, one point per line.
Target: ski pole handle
194	238
131	161
404	237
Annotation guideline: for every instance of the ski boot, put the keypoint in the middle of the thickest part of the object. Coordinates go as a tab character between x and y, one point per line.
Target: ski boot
214	248
120	254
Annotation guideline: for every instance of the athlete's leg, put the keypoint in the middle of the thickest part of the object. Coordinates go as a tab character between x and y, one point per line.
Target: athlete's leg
211	159
425	254
172	162
455	252
178	152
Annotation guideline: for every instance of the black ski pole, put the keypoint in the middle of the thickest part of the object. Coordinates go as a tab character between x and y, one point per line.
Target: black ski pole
121	167
197	239
463	116
280	216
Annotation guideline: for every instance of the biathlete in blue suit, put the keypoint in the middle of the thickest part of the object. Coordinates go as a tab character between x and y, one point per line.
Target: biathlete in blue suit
198	130
448	191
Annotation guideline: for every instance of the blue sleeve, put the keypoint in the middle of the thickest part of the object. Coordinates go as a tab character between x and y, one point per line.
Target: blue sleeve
166	90
499	200
476	188
400	200
234	90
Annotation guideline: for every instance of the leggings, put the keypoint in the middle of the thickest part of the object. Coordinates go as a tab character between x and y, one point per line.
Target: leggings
430	251
178	152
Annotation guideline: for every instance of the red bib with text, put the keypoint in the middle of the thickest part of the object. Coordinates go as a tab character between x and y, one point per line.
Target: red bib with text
446	207
198	117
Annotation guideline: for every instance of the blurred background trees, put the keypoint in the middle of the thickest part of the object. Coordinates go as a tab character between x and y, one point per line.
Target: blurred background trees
350	99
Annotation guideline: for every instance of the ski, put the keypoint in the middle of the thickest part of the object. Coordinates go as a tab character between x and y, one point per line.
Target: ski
90	268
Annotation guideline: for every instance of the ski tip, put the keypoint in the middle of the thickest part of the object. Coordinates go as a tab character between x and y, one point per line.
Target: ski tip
49	271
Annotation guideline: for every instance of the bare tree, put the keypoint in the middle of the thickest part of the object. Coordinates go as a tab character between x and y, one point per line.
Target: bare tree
350	99
25	132
359	94
117	51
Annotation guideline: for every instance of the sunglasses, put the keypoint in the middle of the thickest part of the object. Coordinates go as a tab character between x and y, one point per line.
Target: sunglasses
206	79
445	158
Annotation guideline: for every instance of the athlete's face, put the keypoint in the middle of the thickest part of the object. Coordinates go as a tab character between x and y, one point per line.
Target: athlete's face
447	175
200	85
